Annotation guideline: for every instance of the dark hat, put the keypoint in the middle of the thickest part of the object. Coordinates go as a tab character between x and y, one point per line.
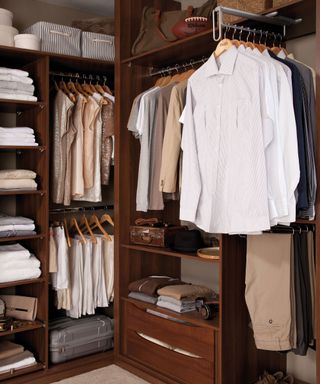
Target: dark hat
187	241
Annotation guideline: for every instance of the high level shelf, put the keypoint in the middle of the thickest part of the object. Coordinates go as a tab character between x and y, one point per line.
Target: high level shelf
225	346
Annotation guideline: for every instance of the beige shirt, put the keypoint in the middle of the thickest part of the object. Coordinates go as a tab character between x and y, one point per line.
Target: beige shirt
172	139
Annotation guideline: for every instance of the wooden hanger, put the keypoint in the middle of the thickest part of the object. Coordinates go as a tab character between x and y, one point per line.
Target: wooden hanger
65	90
105	218
94	220
72	88
66	231
87	227
222	47
76	225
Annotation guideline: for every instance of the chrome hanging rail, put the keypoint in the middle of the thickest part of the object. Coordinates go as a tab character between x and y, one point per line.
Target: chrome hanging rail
81	209
272	18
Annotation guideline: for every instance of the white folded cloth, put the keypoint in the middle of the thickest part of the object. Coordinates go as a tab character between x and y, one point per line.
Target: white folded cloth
13	265
13	251
17	86
12	71
14	78
182	302
17	174
14	220
22	360
19	274
11	143
14	92
25	140
17	227
17	96
13	184
20	135
176	308
17	130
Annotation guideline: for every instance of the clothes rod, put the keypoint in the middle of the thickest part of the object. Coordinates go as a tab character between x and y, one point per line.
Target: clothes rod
79	76
178	67
272	19
81	209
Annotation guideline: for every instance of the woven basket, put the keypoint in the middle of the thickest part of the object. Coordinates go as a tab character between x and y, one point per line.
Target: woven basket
255	6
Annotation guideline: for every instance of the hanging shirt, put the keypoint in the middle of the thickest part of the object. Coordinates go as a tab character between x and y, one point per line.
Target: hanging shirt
224	186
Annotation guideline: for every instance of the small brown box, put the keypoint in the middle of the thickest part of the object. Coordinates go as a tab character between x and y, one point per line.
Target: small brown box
154	236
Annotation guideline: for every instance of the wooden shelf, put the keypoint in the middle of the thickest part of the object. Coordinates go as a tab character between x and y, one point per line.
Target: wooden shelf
202	44
190	317
168	252
21	192
304	221
13	106
19	238
24	328
22	282
23	371
12	148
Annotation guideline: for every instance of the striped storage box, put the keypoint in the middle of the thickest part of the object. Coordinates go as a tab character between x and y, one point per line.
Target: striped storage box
57	38
97	46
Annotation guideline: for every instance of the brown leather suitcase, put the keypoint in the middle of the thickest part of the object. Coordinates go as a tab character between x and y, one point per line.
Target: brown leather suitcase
154	236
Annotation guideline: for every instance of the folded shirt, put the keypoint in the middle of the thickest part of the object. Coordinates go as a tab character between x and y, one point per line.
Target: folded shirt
17	174
190	291
13	92
19	274
17	130
17	96
17	227
14	78
16	184
143	297
150	285
14	220
16	86
22	360
13	251
12	265
182	302
16	233
176	308
12	71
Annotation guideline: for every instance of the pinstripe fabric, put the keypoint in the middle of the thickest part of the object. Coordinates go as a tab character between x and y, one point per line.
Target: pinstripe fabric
57	38
224	181
97	46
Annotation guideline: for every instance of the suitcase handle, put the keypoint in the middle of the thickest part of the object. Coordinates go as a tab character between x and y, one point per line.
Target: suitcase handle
60	33
146	238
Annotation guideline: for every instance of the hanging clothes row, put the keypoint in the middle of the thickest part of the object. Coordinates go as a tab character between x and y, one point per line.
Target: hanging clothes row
247	133
282	313
83	134
81	267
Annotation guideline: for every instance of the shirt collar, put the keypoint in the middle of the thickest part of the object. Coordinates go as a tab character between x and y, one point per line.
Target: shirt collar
227	59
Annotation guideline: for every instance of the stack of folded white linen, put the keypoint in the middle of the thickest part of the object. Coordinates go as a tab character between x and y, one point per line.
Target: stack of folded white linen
16	226
17	263
18	136
182	298
19	361
16	84
17	179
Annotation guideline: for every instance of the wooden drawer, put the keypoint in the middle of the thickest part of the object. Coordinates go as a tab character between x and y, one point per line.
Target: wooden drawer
196	340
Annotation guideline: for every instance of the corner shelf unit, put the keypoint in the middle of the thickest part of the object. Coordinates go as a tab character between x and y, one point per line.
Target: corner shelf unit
229	339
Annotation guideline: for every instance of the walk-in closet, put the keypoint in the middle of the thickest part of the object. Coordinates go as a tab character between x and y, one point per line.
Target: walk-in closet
158	191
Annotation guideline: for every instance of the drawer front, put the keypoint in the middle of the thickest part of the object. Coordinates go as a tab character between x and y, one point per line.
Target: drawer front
174	365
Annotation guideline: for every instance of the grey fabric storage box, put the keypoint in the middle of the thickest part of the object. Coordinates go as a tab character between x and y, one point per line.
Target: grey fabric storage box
72	338
57	38
97	46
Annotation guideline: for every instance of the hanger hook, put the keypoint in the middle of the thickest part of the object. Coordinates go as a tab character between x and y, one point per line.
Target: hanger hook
249	30
240	34
254	36
280	40
234	32
261	33
274	39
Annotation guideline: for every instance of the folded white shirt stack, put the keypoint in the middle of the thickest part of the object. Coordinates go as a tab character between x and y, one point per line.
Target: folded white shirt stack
16	226
180	306
17	263
18	136
16	84
21	360
17	179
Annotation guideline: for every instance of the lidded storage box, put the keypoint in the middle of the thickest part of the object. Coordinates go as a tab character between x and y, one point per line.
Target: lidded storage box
97	46
57	38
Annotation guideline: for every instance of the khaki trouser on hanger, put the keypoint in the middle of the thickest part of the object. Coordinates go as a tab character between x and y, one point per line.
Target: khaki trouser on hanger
267	294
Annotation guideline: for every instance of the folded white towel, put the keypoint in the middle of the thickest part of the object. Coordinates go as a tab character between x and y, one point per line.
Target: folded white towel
16	135
11	143
6	174
14	92
17	227
176	308
13	251
14	78
14	220
15	72
19	274
16	86
13	184
13	265
17	96
5	140
22	360
17	130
